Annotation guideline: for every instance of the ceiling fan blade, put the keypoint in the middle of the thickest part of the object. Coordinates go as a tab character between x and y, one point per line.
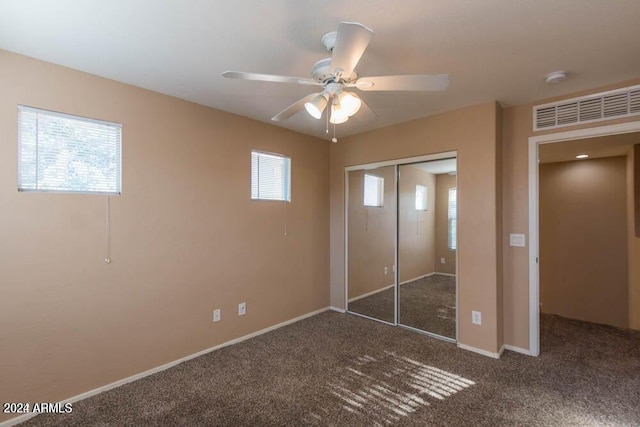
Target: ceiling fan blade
428	82
351	42
269	78
293	108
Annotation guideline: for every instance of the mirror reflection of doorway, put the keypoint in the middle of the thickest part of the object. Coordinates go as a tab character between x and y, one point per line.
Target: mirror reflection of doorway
427	219
404	215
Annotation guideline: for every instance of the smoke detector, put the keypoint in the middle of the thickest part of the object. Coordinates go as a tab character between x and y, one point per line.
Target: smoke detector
555	77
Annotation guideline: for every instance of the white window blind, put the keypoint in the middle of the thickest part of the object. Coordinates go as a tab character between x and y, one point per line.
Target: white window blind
373	190
453	216
270	176
421	197
64	153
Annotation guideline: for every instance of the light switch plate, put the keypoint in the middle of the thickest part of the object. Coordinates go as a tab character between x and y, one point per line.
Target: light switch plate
476	318
517	240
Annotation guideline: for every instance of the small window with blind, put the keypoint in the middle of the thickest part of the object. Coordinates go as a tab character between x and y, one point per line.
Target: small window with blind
453	216
373	191
70	154
421	198
270	176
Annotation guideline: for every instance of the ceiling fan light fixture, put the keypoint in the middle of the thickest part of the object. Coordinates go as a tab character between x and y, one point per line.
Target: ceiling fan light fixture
338	114
316	106
350	103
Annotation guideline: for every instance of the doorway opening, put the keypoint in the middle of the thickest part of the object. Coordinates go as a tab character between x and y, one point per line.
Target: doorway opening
535	144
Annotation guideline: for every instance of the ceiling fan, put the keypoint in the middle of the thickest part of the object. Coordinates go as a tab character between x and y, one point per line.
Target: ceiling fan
338	73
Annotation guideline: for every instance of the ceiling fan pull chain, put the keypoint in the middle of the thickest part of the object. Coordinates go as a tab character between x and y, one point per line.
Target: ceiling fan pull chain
327	129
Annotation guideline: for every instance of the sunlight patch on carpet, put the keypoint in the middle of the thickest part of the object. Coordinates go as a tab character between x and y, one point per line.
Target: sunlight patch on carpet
388	388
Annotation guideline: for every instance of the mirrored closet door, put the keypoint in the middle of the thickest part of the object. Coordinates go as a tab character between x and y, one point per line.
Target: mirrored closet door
427	247
371	231
404	214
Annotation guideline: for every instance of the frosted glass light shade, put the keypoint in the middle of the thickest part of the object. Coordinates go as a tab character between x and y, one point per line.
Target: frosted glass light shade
316	106
350	103
338	115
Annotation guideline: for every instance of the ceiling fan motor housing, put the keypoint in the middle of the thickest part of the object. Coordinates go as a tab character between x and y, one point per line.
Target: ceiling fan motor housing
321	73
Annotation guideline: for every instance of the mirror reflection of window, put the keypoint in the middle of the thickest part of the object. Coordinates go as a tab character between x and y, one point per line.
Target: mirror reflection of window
373	190
421	197
452	215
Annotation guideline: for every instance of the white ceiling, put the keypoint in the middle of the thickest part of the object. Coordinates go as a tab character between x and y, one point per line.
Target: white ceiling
437	166
492	49
604	146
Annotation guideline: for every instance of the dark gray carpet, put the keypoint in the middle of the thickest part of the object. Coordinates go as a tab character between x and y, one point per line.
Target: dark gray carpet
379	306
343	370
428	304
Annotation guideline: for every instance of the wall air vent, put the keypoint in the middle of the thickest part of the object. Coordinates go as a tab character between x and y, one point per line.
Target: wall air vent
614	104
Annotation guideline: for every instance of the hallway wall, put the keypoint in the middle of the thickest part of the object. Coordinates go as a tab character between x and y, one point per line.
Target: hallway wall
583	243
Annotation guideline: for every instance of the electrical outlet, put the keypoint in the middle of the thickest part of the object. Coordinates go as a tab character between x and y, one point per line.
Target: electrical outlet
242	309
216	315
385	270
476	318
442	260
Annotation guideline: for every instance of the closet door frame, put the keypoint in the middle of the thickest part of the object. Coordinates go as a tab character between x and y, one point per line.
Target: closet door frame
396	163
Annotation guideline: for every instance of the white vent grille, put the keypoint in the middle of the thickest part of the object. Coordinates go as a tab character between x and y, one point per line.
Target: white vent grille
614	104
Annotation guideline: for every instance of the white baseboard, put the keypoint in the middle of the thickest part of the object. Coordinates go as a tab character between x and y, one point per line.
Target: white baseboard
445	274
82	396
480	351
339	310
401	283
417	278
517	349
371	293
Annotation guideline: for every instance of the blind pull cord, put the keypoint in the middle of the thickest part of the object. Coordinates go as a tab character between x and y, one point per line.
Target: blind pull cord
366	219
285	217
108	230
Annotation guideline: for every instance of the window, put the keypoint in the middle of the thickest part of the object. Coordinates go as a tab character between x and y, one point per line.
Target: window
373	190
270	176
452	215
63	153
421	198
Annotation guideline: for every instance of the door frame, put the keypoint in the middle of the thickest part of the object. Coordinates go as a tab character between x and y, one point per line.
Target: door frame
534	237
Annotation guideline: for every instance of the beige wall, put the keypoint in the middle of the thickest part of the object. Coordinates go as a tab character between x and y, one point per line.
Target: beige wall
186	239
583	240
371	235
633	231
517	128
473	132
416	229
443	183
